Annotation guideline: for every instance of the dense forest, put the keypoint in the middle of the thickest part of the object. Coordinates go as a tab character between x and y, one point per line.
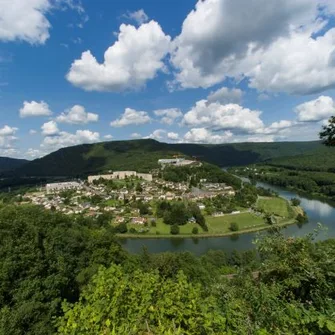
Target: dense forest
70	276
7	164
142	155
316	182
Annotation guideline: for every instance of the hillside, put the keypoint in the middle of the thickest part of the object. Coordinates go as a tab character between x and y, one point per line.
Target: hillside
7	163
322	159
142	155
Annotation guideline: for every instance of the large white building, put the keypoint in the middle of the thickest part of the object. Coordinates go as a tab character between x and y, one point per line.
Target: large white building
56	187
175	161
121	175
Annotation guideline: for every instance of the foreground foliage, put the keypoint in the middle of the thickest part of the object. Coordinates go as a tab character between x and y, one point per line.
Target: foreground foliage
66	276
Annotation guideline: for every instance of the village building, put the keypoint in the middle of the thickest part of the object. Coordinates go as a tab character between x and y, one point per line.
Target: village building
56	187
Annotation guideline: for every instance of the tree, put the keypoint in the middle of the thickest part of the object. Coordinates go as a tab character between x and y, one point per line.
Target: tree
141	303
121	228
139	188
195	230
327	134
234	226
174	230
177	215
295	202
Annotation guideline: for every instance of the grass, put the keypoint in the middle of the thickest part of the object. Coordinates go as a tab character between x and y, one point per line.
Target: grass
220	226
277	206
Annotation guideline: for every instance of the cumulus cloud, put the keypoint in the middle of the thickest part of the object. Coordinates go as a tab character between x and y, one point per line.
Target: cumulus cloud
26	20
129	63
138	16
131	117
263	42
8	131
7	139
65	139
34	108
223	117
203	135
135	135
173	136
32	132
108	137
50	128
224	95
34	153
316	110
157	134
168	116
77	115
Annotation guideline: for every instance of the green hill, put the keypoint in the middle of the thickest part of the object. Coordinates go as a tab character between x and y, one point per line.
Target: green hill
7	163
142	155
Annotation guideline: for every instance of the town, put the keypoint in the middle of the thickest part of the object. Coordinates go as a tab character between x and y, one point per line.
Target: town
182	193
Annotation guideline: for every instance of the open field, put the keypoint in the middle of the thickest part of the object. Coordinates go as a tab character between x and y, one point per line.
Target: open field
277	206
220	226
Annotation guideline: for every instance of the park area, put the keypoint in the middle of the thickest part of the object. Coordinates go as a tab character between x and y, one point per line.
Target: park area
247	220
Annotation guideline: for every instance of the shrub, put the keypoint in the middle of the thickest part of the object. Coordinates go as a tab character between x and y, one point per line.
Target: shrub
234	226
174	230
195	230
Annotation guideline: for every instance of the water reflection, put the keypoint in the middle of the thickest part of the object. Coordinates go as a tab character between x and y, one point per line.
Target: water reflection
317	211
320	208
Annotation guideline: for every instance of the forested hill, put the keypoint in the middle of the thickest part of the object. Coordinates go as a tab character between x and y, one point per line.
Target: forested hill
142	155
7	163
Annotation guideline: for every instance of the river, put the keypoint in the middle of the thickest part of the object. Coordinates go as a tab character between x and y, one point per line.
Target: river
318	211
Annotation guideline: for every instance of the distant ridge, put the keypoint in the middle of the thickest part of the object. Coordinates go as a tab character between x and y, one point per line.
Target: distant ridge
142	155
7	164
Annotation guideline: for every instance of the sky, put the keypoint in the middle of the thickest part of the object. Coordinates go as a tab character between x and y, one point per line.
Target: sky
207	71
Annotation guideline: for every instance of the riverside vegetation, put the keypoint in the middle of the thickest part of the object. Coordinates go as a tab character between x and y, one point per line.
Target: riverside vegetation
65	276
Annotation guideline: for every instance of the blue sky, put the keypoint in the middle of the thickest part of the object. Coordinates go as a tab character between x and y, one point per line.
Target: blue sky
211	71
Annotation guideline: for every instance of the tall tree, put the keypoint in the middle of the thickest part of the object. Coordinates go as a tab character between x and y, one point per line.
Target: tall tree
327	135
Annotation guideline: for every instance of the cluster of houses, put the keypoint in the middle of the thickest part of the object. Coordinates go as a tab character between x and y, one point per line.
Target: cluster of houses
115	200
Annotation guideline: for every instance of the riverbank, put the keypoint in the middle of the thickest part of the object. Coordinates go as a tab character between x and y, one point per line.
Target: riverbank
220	226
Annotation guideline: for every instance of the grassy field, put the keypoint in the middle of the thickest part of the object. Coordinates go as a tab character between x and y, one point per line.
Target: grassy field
220	226
276	206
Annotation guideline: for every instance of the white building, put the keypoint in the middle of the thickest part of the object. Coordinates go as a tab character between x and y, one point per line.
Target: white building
175	161
121	175
56	187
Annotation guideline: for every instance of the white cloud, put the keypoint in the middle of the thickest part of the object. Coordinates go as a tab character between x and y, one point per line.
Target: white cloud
25	20
223	117
173	136
10	152
169	115
135	135
32	132
131	116
276	69
202	135
264	138
108	137
316	110
77	115
50	128
34	153
7	138
219	33
139	16
34	108
65	139
258	40
129	63
7	131
224	95
157	134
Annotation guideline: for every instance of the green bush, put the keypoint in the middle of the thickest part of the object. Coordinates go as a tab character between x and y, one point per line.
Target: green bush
234	226
174	230
195	230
